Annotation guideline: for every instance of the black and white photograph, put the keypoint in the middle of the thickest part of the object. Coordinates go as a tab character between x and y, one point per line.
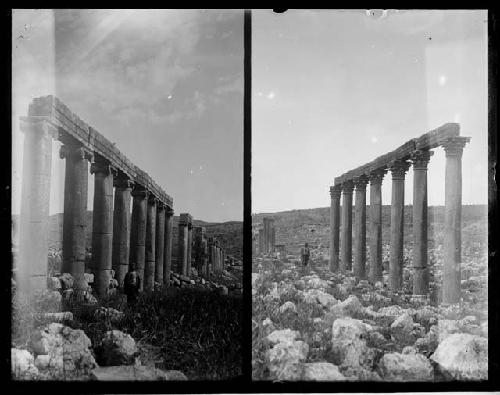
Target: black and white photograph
370	195
127	194
251	200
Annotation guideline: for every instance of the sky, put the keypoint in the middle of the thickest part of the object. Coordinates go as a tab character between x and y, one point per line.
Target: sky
332	90
165	85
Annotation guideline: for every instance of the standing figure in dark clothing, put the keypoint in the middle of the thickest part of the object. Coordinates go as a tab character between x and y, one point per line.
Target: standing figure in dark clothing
304	252
131	285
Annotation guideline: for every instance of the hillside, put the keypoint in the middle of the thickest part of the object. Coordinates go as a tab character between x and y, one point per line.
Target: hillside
295	227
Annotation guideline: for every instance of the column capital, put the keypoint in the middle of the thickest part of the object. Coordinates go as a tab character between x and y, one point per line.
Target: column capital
399	168
169	211
454	146
152	199
160	205
347	187
69	151
335	191
122	182
103	167
376	176
38	125
420	159
139	191
360	182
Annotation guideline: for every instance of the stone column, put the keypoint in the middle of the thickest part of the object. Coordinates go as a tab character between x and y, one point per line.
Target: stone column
167	260
376	178
346	240
138	230
182	245
31	265
160	242
360	228
149	269
189	249
398	169
335	192
204	258
261	241
453	219
121	228
102	225
75	212
420	159
273	238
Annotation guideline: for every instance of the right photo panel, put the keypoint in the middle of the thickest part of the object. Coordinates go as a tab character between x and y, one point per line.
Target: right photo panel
370	195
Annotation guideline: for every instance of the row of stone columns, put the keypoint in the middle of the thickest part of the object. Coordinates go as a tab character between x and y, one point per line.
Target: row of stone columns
145	240
216	254
452	249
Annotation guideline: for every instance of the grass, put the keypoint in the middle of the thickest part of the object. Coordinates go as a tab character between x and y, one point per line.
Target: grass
195	331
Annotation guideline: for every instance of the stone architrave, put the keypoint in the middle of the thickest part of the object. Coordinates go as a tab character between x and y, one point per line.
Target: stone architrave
149	268
398	169
375	246
138	230
359	265
121	227
75	212
420	159
335	193
102	224
346	239
31	264
453	220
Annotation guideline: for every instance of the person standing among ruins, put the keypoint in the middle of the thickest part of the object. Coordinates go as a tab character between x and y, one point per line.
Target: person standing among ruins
131	285
305	253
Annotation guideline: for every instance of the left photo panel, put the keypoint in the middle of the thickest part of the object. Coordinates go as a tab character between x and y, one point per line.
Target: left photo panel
127	195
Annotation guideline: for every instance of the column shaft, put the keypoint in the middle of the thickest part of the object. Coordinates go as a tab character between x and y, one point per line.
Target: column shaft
138	231
335	193
189	250
121	229
149	269
75	212
346	240
360	229
102	226
31	264
376	225
420	274
182	249
398	170
169	220
453	220
160	243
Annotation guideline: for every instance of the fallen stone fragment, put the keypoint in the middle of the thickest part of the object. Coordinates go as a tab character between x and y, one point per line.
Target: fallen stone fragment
321	371
348	343
284	359
116	348
288	307
462	357
135	373
405	367
59	317
401	329
23	365
283	335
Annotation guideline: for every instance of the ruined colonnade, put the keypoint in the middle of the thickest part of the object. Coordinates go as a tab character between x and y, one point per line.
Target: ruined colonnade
416	152
267	236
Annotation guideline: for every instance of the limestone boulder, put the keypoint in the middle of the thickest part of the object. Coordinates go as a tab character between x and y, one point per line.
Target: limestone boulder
348	308
135	373
284	359
317	296
116	348
405	367
54	284
288	307
462	357
23	365
321	371
66	280
402	329
282	335
349	343
62	353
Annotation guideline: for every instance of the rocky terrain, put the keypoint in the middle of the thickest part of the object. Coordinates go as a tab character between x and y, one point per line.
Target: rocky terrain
311	324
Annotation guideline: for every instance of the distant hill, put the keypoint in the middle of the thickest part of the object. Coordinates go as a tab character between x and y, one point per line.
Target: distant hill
229	233
295	227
